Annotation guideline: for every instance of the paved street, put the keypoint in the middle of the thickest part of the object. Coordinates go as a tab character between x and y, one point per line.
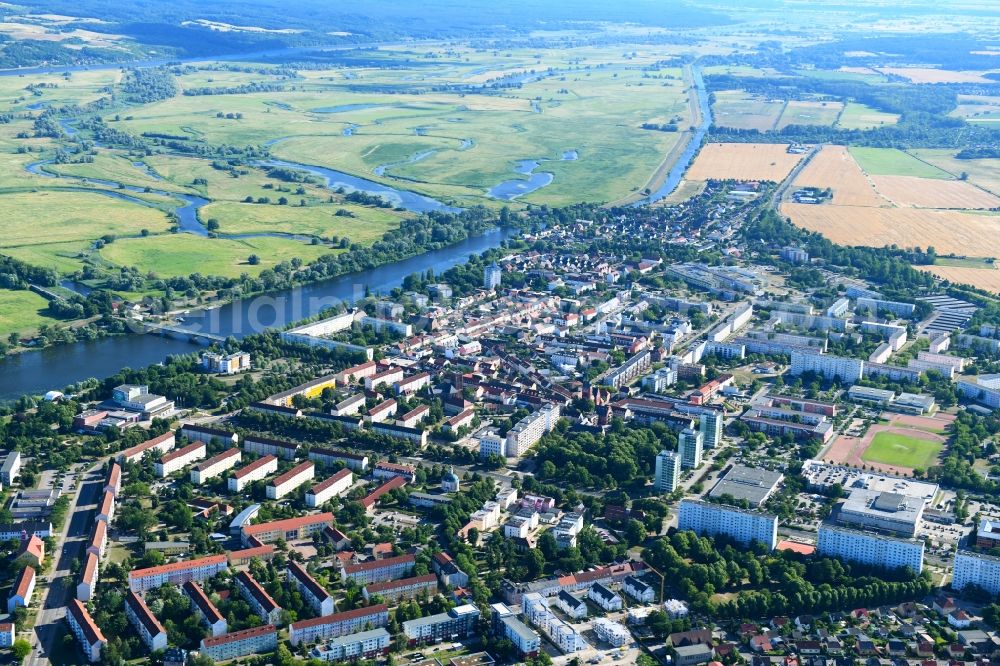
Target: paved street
71	544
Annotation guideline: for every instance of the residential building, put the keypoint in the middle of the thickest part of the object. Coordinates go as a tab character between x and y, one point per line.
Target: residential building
573	607
526	641
382	411
200	433
412	384
98	538
106	507
326	490
289	529
371	499
338	624
291	480
639	590
604	597
362	645
711	428
11	467
22	589
178	460
225	364
8	634
988	533
387	470
256	471
976	569
870	548
690	444
260	601
492	276
267	446
356	462
529	430
205	609
113	479
375	571
235	644
848	370
315	595
32	550
87	633
611	632
536	611
161	444
392	591
177	573
215	466
146	625
690	655
668	472
741	525
88	578
457	623
444	566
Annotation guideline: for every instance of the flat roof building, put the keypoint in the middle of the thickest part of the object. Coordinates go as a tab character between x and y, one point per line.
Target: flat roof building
882	510
753	485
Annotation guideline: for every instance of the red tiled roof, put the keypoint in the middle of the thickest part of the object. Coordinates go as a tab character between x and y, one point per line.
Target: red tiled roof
179	453
323	485
375	588
225	455
177	566
201	600
289	523
340	617
148	444
146	617
303	577
90	569
249	553
391	484
233	636
378	564
91	630
257	591
293	472
255	465
24	580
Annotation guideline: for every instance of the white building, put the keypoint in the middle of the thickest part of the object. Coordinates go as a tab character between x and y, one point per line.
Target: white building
225	364
668	472
711	428
604	597
146	625
611	632
492	276
742	525
639	590
362	645
291	480
316	595
536	611
848	370
525	640
255	471
690	445
178	460
877	550
215	466
529	430
87	633
976	569
573	607
324	491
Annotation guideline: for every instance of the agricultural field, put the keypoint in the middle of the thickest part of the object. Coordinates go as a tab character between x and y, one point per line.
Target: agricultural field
21	312
901	450
835	167
984	173
360	224
977	108
184	254
740	110
893	162
983	276
743	161
917	192
799	112
857	116
930	75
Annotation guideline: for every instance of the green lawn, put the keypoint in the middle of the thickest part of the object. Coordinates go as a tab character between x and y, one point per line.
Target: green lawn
860	116
21	312
367	226
893	162
965	262
902	451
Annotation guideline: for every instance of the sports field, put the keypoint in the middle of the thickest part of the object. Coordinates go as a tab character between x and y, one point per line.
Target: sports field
899	450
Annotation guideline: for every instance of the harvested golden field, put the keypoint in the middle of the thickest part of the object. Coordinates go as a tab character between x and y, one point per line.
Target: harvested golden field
836	168
984	172
931	75
949	232
983	278
914	192
743	161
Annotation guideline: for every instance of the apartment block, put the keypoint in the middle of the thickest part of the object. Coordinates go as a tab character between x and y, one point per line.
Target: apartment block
741	525
338	624
178	460
260	601
146	625
362	645
375	571
668	472
87	633
847	370
405	588
976	569
266	446
256	471
870	548
289	529
326	490
205	609
200	433
291	480
457	623
177	573
22	589
241	643
690	445
161	444
215	466
356	462
315	594
88	578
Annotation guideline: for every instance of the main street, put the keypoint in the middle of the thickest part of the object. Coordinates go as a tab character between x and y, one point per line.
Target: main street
70	545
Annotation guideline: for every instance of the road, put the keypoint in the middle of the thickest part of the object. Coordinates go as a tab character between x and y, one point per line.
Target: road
70	545
782	188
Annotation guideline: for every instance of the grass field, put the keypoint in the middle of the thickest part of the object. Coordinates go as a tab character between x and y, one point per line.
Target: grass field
740	110
799	112
21	312
183	254
367	226
893	162
965	262
985	173
902	451
860	116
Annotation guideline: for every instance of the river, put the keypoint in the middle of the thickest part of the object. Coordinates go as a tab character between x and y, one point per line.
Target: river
677	171
35	372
